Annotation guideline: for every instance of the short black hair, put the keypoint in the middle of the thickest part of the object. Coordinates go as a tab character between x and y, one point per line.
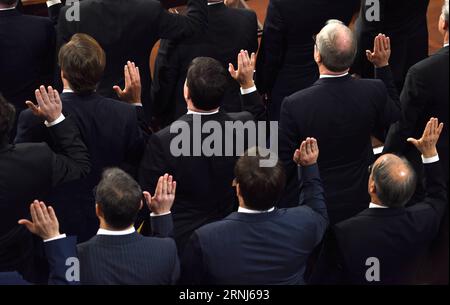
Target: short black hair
207	81
119	197
7	118
392	192
260	187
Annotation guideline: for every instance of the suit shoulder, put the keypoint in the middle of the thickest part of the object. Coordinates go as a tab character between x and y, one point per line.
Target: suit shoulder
438	60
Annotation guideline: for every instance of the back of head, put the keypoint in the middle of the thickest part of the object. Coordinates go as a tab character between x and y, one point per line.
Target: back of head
82	61
395	180
260	187
337	46
119	197
7	118
207	81
8	3
445	11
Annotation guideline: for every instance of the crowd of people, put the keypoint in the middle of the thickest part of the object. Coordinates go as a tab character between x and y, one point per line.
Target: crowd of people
93	189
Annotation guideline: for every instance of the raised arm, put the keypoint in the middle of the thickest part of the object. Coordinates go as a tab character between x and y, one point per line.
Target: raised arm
72	162
311	190
436	187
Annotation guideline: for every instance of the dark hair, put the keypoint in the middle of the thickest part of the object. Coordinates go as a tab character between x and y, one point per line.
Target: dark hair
207	81
392	192
119	197
335	58
7	118
8	2
83	61
260	187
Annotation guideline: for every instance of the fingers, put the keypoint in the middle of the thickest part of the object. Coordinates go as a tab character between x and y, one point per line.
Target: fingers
148	197
253	60
118	91
127	77
297	155
164	184
158	190
174	188
169	184
28	224
232	70
32	107
44	95
52	214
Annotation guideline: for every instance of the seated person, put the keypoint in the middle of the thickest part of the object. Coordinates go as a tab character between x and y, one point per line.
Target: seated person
259	244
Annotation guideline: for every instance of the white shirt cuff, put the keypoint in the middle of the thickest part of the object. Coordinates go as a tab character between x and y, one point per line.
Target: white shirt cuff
248	91
53	2
156	215
61	236
430	160
55	122
137	104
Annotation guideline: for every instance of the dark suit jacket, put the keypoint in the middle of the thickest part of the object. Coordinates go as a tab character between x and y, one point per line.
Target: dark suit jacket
342	114
398	238
27	50
286	59
112	135
57	252
28	172
424	95
128	30
229	31
405	22
260	249
204	189
131	259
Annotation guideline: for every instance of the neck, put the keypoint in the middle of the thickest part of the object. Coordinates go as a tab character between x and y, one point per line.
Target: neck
105	226
193	108
375	200
446	38
324	71
2	6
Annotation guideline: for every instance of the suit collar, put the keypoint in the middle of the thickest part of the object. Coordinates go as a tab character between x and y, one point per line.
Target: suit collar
216	6
331	80
383	212
11	12
245	217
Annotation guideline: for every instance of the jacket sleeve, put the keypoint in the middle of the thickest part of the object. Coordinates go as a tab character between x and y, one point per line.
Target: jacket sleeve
175	26
272	50
254	104
193	269
58	252
72	162
436	189
162	226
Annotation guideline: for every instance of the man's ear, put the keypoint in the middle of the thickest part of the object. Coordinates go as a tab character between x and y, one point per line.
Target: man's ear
372	187
141	205
317	57
187	93
98	210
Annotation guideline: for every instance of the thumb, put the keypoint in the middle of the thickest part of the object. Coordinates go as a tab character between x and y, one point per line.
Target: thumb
148	197
413	141
28	224
32	107
232	71
118	91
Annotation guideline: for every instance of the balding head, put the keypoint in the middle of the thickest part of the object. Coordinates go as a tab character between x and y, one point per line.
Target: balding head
336	45
394	180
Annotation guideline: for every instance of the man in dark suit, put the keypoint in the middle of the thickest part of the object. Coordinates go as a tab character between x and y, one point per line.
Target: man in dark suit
405	22
258	244
142	24
27	50
426	94
229	31
118	254
58	251
29	171
212	198
342	113
286	59
110	129
385	243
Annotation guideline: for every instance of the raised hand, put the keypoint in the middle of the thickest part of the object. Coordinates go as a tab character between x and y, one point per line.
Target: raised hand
49	104
308	153
246	69
381	51
427	143
164	197
44	221
132	92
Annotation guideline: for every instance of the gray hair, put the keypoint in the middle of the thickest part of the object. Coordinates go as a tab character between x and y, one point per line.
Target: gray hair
392	191
445	10
335	57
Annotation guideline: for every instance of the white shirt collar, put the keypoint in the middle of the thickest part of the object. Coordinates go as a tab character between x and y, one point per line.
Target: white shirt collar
376	206
67	91
445	45
202	113
248	211
214	3
333	76
130	230
7	9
